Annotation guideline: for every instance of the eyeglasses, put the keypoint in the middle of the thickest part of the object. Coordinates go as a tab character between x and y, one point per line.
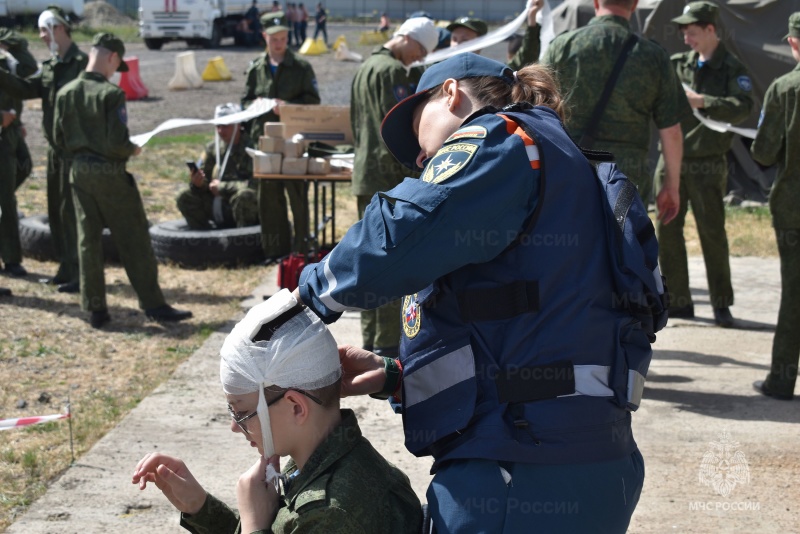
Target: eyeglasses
241	422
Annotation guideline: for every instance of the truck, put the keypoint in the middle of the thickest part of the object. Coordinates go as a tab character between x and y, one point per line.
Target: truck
198	22
17	10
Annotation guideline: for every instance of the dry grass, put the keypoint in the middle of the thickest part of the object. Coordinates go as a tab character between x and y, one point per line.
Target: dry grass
749	232
47	350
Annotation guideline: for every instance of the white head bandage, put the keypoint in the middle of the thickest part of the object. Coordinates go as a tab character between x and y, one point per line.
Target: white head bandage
301	353
47	20
422	30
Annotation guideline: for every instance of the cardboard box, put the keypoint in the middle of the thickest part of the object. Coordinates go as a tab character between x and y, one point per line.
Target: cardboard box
297	166
319	166
267	164
329	124
292	149
275	129
271	145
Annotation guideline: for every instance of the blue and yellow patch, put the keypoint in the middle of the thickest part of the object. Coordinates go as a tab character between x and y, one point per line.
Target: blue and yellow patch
400	92
744	83
412	316
449	160
468	132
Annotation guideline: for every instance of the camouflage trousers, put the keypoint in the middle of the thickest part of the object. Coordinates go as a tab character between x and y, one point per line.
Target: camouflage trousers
106	195
786	343
276	233
380	328
10	249
238	203
703	184
61	213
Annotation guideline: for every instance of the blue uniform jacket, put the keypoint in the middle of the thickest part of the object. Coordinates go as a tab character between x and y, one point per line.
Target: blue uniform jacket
511	347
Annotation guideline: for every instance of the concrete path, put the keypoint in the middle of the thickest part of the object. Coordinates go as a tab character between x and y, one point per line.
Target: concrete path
698	402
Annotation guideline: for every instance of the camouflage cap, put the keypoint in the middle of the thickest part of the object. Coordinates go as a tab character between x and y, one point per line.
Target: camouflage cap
12	40
476	25
112	43
274	22
695	12
58	13
794	26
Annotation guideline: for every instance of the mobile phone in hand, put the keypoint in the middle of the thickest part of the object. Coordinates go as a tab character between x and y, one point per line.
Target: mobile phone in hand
192	166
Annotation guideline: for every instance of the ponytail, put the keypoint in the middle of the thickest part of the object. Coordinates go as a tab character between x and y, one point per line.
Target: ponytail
534	83
537	84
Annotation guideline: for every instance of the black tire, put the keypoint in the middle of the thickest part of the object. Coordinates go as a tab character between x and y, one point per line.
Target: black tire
37	241
173	241
154	44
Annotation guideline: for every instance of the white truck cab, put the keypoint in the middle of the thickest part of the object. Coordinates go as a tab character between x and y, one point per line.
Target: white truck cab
200	22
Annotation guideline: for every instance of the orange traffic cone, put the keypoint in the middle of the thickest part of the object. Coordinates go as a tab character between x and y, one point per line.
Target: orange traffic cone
130	82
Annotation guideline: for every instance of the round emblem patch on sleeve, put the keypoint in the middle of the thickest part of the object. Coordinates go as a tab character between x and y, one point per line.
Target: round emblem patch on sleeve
744	83
448	161
400	92
412	316
122	113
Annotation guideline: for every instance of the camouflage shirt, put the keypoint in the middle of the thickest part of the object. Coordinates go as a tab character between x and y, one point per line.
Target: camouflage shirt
91	118
777	141
294	82
239	166
346	487
647	89
728	97
380	83
23	64
55	74
529	51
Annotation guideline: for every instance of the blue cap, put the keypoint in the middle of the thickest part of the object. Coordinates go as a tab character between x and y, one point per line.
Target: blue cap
397	127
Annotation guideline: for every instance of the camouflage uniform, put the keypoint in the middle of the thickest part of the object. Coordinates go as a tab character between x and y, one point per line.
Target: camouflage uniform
55	73
724	82
346	487
91	126
380	83
646	89
529	51
293	82
776	142
237	189
11	141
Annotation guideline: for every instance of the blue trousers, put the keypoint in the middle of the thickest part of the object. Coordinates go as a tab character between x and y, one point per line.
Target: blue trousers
473	496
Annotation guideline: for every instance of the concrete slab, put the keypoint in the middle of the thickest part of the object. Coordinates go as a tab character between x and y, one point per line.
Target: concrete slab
698	403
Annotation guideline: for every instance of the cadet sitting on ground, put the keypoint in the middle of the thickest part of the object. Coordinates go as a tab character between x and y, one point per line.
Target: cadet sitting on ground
281	375
229	199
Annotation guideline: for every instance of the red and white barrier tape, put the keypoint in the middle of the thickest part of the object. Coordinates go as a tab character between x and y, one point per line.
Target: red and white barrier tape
7	424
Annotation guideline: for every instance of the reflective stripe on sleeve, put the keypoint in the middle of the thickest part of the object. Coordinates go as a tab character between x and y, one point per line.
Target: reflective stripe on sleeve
440	374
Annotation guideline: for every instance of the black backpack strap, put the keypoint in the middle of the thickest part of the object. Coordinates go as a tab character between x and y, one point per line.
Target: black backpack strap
591	128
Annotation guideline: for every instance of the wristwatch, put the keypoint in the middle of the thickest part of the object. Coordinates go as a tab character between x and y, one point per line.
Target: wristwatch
393	375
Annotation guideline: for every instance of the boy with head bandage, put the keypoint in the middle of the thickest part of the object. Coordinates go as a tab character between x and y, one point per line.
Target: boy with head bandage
281	375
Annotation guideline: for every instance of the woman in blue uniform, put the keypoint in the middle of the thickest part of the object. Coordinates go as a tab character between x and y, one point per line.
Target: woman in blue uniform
513	354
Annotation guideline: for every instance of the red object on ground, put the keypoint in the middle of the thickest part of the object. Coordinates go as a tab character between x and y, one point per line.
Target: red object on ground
130	82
